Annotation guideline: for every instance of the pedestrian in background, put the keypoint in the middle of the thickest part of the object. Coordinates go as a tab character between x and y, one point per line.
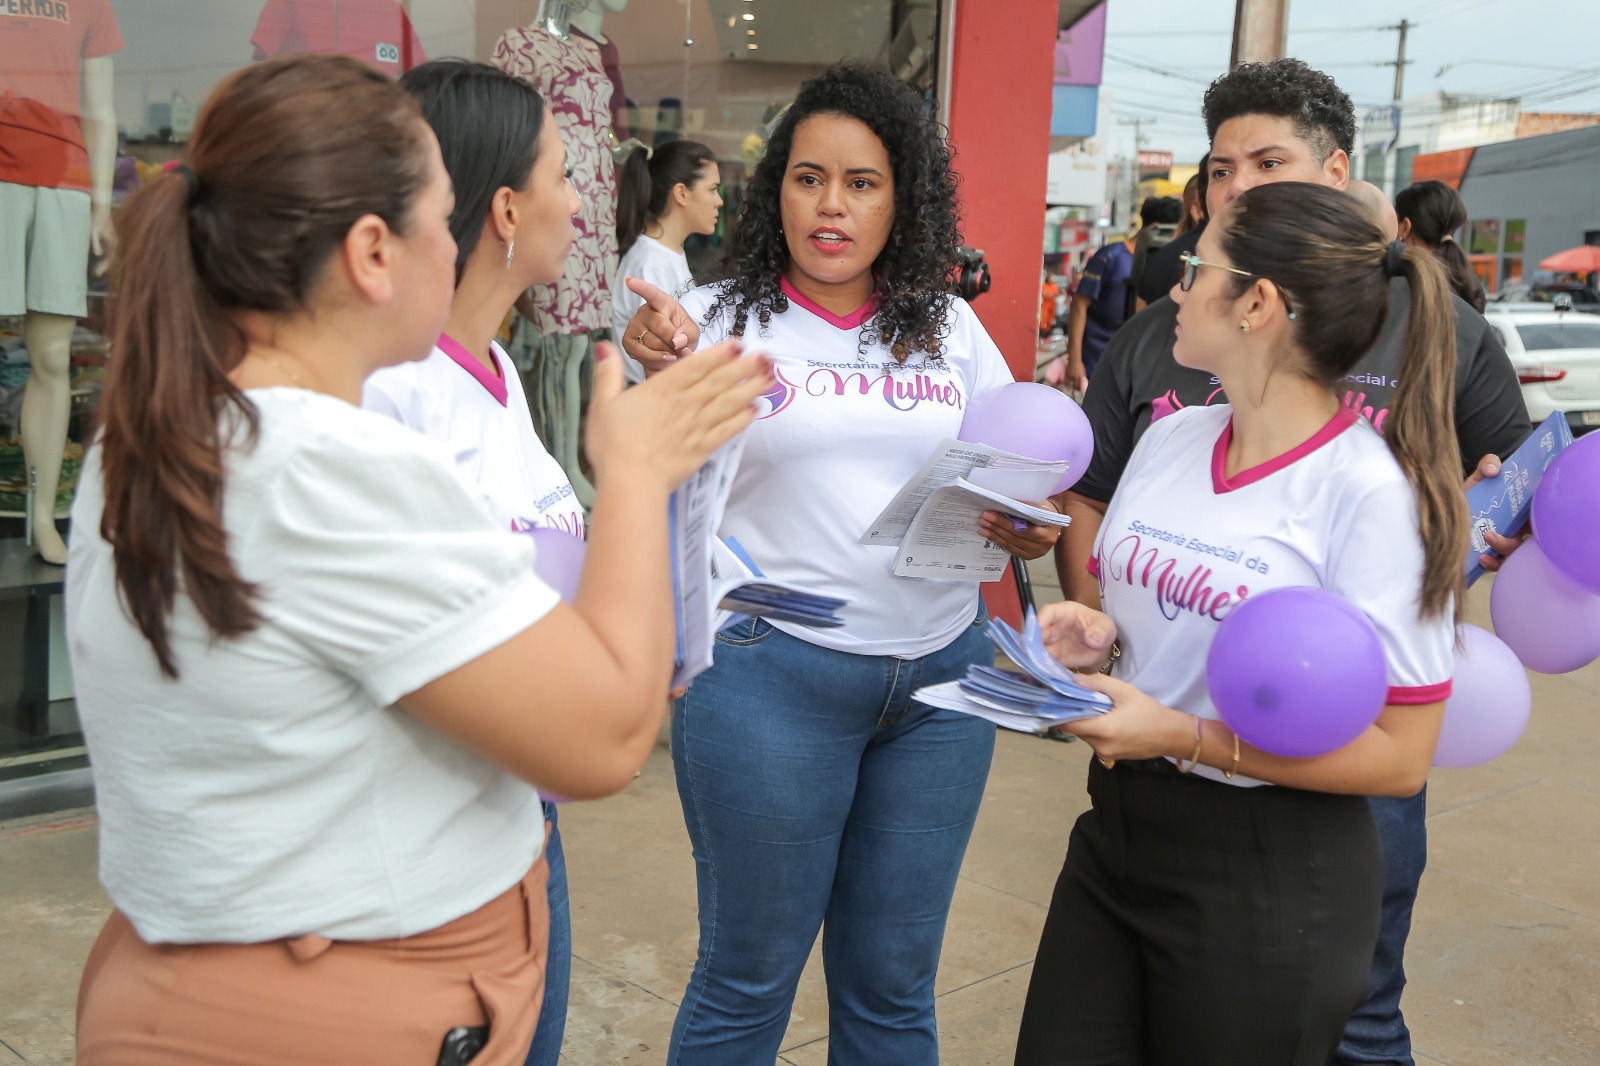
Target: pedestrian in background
1430	214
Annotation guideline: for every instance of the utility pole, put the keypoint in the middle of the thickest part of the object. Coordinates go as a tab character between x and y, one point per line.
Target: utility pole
1391	166
1260	31
1138	123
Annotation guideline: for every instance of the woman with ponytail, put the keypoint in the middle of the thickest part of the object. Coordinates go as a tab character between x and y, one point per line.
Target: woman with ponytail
318	681
1430	214
663	195
1219	904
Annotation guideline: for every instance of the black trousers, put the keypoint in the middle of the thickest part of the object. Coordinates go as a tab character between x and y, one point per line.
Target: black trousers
1200	924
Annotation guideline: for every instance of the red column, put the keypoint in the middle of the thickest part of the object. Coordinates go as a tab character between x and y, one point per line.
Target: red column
1001	73
1000	82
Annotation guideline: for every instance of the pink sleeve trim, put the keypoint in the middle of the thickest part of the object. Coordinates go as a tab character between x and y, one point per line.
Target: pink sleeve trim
1093	566
1411	695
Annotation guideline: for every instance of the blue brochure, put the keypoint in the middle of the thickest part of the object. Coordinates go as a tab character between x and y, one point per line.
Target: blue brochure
1501	504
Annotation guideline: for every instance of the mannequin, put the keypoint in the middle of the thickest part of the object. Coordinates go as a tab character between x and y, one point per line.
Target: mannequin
55	210
570	315
588	21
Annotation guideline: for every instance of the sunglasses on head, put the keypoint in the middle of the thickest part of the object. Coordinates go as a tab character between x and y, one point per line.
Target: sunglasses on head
1193	263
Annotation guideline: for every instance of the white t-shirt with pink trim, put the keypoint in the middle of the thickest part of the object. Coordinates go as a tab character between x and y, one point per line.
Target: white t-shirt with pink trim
1183	544
840	434
482	418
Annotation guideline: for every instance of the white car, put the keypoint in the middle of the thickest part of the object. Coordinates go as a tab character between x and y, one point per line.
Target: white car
1557	358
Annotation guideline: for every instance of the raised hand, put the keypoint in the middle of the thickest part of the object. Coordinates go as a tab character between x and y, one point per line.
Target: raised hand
661	331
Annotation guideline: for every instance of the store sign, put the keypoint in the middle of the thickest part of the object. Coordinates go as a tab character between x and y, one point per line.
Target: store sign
1080	50
1153	162
1380	128
1076	176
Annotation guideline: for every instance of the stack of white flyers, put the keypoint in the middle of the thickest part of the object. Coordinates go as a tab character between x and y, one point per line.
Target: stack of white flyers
1046	695
715	583
933	520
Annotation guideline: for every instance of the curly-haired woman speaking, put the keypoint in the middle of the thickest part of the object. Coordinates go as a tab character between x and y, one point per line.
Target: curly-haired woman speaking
816	790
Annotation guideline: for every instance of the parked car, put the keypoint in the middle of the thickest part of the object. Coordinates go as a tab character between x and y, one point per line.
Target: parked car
1583	298
1557	358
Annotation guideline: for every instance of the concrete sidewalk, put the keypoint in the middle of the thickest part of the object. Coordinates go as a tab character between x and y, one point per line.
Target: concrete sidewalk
1504	959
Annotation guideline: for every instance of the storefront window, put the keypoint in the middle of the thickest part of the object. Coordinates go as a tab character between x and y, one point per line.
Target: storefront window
1516	233
97	95
1486	236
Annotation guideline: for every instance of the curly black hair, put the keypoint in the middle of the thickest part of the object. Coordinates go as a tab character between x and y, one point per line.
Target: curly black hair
913	271
1322	112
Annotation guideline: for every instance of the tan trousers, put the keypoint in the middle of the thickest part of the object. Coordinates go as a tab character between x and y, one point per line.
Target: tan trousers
312	1000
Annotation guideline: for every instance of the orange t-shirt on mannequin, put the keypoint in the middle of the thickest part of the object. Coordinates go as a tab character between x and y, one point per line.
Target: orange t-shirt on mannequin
43	44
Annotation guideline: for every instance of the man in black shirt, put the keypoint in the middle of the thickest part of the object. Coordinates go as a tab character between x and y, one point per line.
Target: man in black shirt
1283	121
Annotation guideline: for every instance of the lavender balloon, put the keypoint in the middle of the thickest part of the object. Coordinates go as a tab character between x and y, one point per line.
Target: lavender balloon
1489	707
1297	672
559	562
1033	420
1566	512
1549	621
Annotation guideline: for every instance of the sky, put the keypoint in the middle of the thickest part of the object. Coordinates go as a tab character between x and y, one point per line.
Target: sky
1499	48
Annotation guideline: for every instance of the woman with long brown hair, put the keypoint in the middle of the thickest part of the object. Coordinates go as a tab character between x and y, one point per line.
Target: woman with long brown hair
1219	904
317	679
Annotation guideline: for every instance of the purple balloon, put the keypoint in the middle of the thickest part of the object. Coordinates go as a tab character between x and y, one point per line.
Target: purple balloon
559	560
1297	672
1489	705
1549	621
1566	512
1030	419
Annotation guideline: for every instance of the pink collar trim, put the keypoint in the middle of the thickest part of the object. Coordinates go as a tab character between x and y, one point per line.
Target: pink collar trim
851	321
494	381
1220	482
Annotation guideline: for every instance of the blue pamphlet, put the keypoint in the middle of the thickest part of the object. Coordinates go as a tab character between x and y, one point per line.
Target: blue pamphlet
1501	504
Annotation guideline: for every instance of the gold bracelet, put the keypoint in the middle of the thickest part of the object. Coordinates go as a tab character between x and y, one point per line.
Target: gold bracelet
1194	760
1116	653
1235	769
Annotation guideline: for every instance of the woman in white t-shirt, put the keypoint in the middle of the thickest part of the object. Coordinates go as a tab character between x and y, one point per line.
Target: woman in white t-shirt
1219	904
817	792
512	224
663	195
317	680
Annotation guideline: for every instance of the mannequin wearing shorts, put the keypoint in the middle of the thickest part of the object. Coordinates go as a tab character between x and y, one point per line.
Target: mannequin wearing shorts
58	136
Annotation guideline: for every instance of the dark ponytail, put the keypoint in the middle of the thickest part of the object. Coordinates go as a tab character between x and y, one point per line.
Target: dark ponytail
1325	251
1436	212
645	184
286	156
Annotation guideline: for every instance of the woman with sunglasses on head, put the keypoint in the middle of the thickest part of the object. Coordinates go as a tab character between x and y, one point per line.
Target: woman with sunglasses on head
512	224
1219	904
817	792
317	679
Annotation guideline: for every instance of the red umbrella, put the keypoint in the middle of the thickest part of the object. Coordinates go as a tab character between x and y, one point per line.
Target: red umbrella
1584	259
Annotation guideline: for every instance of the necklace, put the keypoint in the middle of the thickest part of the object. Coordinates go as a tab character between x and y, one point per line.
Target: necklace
294	378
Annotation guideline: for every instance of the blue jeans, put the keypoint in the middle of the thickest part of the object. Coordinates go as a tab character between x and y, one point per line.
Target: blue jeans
1376	1032
818	794
546	1047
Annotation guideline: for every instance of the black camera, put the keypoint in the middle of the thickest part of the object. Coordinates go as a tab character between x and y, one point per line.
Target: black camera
972	273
